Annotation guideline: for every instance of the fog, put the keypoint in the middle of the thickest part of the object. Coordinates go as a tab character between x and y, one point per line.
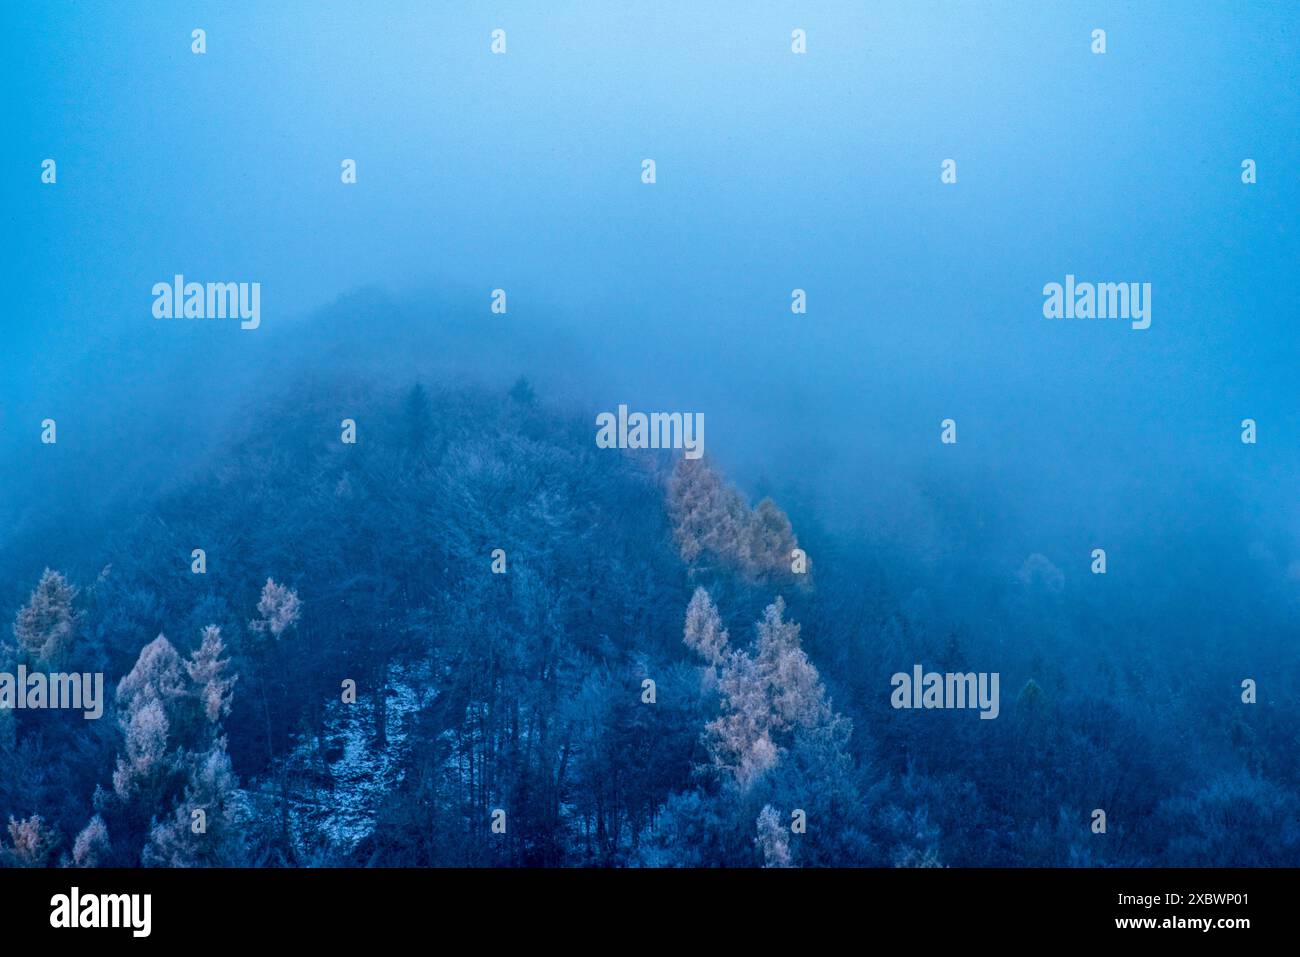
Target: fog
775	172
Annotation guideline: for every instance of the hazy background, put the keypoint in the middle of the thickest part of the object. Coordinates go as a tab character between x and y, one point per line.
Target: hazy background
775	171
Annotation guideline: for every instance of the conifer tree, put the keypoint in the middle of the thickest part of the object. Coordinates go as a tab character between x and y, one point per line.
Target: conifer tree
146	758
704	633
279	607
765	696
205	829
207	670
711	519
773	838
92	846
46	626
31	843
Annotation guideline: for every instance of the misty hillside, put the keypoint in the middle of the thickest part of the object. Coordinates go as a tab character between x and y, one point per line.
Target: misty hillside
359	677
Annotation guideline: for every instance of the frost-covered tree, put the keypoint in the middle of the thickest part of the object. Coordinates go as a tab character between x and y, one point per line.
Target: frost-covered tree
46	626
1238	819
776	742
92	846
765	696
704	633
146	756
279	607
149	703
31	843
1038	572
712	520
157	676
708	515
740	740
205	829
769	539
797	696
773	838
173	759
207	670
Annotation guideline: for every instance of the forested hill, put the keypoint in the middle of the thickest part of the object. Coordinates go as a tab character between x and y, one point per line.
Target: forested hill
472	637
484	679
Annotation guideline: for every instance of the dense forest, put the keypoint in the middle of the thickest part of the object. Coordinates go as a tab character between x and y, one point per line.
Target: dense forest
473	638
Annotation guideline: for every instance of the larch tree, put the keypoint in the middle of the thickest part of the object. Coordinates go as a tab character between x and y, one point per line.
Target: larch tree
46	626
766	696
769	540
157	676
207	670
279	607
145	732
92	846
175	761
707	514
711	519
31	843
773	838
797	697
206	827
149	700
704	633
